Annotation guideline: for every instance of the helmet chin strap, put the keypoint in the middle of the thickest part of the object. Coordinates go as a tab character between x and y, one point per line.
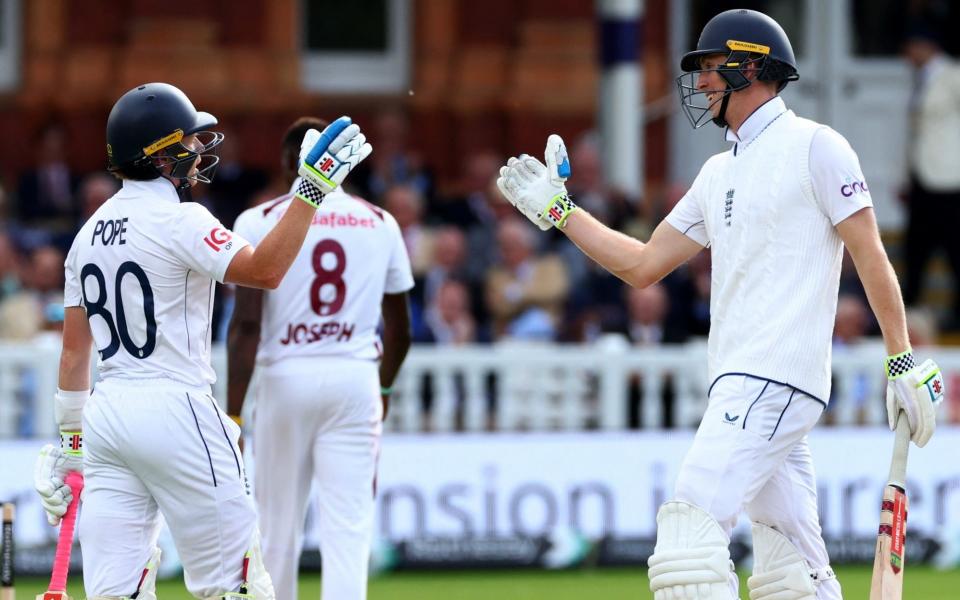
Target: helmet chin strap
721	119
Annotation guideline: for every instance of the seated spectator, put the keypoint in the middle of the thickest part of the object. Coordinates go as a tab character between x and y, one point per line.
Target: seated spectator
10	267
524	293
25	313
448	318
95	189
647	310
849	329
394	163
405	203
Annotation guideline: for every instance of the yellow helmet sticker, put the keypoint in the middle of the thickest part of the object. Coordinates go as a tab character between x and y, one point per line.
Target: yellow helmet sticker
748	47
163	142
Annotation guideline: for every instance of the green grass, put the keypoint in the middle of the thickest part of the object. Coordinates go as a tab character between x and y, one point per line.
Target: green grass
608	584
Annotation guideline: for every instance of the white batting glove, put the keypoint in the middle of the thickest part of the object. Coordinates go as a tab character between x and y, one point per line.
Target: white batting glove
326	158
916	391
49	473
538	190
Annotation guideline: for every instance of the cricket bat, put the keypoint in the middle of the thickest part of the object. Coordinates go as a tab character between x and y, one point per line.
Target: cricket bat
61	560
7	591
888	563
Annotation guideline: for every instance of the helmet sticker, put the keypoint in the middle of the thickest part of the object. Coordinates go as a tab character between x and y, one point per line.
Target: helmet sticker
748	47
163	142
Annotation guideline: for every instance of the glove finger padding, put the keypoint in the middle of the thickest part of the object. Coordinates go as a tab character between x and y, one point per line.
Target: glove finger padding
326	158
558	162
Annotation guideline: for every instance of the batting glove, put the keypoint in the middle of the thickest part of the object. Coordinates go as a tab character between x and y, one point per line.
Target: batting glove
916	391
50	473
326	158
538	190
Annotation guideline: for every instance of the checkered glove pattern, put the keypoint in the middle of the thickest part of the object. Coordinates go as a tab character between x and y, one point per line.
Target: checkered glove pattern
915	390
898	364
326	158
538	190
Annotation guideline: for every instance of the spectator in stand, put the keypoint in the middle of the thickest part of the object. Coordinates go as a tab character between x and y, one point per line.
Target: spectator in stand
448	318
933	199
591	189
95	189
594	306
393	163
849	329
45	192
10	267
25	313
524	293
648	309
406	204
472	206
648	326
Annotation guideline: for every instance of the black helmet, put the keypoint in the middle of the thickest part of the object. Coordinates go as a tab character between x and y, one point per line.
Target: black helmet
748	38
144	131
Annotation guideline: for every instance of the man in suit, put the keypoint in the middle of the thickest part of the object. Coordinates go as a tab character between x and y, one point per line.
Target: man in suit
933	198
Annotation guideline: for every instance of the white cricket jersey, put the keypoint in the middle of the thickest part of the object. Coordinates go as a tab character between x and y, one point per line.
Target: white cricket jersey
768	208
329	302
144	267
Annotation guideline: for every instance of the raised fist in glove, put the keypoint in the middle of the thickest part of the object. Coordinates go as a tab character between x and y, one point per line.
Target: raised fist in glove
538	190
326	158
50	474
916	390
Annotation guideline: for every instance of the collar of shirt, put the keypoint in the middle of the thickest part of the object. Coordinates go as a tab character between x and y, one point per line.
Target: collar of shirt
756	122
158	188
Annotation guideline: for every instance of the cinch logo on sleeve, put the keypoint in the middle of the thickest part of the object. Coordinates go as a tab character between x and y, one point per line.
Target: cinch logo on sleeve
218	238
857	187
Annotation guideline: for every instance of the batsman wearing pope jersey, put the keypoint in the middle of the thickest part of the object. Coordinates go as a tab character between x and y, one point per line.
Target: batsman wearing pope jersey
321	395
150	440
776	211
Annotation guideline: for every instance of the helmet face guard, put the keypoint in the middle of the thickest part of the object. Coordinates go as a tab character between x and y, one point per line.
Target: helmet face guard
182	160
696	103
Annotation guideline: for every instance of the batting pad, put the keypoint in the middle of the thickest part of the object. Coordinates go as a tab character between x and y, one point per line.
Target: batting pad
692	559
779	571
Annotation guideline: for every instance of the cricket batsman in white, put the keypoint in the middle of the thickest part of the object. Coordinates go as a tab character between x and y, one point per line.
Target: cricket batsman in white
321	395
150	440
776	210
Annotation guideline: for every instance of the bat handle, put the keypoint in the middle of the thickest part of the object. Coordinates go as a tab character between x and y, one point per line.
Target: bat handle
61	561
901	448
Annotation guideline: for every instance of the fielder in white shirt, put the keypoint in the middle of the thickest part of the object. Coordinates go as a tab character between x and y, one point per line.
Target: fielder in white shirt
321	396
776	211
150	440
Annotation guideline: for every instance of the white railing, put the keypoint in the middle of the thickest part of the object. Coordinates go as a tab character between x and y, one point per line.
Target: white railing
518	386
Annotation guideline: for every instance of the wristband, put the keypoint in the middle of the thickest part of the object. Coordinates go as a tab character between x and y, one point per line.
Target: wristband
558	210
71	442
898	364
309	193
386	391
68	408
237	419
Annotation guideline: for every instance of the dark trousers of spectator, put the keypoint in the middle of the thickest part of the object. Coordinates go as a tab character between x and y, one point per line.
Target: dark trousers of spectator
932	225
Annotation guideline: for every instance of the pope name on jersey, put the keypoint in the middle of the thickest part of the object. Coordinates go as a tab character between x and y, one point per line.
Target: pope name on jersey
144	267
329	304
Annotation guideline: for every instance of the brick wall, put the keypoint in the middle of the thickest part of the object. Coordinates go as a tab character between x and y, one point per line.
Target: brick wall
499	74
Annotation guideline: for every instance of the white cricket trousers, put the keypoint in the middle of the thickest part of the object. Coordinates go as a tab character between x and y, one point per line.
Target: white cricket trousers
750	452
156	447
317	419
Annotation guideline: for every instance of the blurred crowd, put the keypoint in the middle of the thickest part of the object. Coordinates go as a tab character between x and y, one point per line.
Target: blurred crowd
483	274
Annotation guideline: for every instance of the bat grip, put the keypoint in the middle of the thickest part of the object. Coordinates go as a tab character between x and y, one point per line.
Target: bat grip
901	447
61	561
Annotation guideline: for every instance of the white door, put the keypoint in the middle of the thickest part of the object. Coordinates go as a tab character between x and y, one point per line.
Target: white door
851	78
